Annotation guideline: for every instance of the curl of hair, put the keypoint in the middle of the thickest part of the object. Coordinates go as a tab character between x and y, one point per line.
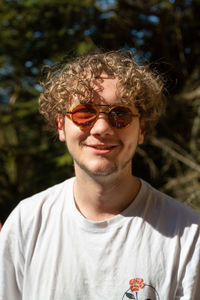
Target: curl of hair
138	85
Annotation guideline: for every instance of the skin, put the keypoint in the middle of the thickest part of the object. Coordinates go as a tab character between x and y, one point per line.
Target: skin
103	157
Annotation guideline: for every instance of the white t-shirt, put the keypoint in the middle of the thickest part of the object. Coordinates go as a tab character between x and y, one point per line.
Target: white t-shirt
49	251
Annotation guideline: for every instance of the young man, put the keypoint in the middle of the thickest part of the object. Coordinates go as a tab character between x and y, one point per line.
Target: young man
104	234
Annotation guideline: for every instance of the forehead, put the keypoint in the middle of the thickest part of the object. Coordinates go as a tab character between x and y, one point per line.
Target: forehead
103	90
107	89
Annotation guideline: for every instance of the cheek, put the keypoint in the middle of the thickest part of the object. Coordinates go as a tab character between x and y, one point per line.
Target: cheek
132	138
72	135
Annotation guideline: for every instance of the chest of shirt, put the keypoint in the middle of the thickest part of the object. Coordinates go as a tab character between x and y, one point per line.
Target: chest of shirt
131	261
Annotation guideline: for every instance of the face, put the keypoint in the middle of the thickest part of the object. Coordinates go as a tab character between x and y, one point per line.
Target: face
102	150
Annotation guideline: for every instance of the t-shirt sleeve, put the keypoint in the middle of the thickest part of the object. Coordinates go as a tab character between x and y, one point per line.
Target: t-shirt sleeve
189	288
11	258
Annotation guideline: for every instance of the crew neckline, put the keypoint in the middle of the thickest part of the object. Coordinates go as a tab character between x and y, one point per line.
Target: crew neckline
110	223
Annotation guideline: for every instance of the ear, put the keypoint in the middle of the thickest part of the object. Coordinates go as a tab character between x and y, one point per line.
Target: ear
142	132
61	131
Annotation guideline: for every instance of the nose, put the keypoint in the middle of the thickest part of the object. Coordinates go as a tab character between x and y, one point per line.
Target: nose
101	126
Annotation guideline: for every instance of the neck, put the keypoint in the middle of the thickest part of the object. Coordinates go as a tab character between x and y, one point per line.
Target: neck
105	197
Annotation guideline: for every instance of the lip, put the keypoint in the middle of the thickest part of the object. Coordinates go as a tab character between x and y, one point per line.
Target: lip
102	148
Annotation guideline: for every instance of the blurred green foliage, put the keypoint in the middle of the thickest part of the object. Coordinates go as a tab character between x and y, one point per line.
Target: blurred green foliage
34	33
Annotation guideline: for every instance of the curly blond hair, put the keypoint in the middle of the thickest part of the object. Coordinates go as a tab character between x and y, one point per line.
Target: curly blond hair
138	85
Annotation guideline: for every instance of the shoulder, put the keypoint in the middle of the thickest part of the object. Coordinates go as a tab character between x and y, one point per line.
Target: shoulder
50	196
41	207
168	204
168	214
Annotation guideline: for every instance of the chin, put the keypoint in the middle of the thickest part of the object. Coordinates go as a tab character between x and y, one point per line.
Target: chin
102	172
104	169
99	171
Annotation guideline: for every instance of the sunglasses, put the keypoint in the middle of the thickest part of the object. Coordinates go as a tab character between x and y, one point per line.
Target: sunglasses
85	115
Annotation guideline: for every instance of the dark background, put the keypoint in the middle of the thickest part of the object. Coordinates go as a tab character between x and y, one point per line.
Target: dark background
37	32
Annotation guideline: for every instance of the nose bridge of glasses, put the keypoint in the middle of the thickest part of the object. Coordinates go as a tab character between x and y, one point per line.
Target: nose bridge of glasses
102	109
102	113
101	124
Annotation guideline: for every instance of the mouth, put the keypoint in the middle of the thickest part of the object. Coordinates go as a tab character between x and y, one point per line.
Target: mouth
102	147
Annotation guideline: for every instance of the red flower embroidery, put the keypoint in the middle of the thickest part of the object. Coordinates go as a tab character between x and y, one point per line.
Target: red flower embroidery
136	284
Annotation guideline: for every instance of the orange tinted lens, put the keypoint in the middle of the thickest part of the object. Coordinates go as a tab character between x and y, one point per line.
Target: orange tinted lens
120	116
84	115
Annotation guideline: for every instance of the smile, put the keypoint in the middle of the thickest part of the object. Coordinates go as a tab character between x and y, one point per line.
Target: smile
102	147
